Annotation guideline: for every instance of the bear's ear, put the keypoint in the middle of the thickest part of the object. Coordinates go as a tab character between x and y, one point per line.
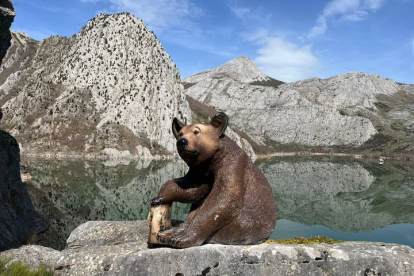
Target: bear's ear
176	127
219	122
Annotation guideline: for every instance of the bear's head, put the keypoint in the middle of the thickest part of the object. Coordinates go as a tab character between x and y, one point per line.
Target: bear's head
197	143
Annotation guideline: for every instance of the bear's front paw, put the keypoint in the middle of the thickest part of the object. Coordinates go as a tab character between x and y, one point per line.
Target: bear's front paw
157	201
183	239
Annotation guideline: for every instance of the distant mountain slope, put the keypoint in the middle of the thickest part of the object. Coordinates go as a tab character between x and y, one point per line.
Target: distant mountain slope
346	111
110	90
241	69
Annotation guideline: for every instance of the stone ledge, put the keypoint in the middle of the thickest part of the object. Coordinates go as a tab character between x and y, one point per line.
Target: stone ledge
119	248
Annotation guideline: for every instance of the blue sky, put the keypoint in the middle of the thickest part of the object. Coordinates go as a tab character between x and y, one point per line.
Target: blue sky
288	40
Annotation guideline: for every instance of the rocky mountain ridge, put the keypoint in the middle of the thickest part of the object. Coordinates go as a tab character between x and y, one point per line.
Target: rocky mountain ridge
110	91
347	110
241	69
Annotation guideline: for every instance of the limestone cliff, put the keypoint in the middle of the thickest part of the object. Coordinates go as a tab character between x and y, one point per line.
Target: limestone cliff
6	19
19	221
109	91
350	110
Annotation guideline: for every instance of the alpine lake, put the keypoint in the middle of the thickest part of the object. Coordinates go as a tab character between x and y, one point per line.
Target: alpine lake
340	198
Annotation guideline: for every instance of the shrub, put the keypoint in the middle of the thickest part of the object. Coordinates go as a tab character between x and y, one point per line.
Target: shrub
20	269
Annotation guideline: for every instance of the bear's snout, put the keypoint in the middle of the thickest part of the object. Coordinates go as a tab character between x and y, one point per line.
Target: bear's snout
182	143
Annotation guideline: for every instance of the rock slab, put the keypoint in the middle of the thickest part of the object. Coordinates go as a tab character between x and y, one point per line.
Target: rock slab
119	248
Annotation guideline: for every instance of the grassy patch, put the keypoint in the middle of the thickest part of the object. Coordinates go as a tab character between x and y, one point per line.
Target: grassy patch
312	240
270	82
20	269
188	84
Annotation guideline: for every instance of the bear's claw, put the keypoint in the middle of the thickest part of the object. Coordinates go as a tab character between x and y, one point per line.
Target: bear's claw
157	201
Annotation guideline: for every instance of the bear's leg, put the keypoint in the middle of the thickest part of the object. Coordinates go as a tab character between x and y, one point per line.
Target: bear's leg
176	191
213	214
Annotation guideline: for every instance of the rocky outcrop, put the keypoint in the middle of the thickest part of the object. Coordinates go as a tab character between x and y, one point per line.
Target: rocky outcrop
19	222
119	248
6	19
109	91
35	256
346	110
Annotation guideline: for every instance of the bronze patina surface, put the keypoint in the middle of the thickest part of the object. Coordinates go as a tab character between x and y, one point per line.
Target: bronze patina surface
232	202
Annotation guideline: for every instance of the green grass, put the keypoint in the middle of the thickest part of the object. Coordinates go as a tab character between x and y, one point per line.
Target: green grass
312	240
20	269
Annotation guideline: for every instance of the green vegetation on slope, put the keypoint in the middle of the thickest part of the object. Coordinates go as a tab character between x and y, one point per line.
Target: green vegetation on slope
20	269
312	240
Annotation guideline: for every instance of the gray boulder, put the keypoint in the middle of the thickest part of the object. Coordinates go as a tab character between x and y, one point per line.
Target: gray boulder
119	248
33	255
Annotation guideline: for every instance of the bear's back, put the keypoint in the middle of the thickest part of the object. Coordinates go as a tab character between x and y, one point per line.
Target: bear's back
257	211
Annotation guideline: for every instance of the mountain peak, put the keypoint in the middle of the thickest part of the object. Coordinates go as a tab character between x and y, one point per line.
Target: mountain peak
241	69
112	79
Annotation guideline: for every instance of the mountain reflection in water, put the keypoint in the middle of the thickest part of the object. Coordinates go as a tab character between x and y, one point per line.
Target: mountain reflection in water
342	198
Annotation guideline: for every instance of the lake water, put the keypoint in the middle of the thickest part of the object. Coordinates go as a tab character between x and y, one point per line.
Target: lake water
345	199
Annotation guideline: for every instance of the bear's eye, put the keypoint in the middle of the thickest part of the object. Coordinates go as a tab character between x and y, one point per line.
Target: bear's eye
196	132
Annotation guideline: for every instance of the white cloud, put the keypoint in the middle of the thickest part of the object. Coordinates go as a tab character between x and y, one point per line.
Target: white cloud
258	35
176	21
240	12
285	60
347	10
356	16
374	4
319	28
159	14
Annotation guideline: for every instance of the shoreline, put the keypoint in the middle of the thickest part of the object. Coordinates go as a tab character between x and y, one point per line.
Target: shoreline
98	157
93	157
337	154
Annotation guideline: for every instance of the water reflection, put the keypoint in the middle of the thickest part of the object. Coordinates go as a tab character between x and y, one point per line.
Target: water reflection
72	192
346	196
340	196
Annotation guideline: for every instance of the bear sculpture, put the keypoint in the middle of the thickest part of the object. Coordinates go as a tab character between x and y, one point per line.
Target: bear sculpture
232	202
